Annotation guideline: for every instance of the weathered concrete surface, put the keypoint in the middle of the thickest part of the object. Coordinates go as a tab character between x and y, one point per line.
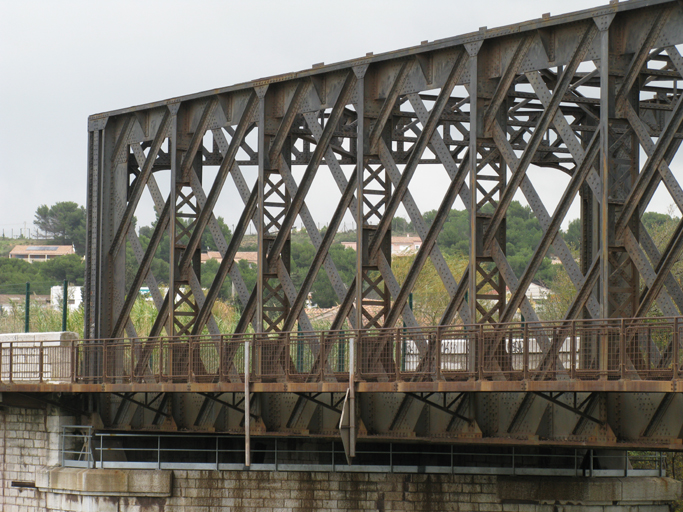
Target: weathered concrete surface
105	482
584	491
38	336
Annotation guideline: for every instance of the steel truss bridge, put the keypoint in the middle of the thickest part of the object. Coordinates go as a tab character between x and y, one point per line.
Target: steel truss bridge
592	98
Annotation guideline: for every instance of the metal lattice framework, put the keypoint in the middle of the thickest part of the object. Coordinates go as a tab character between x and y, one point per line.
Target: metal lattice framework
592	95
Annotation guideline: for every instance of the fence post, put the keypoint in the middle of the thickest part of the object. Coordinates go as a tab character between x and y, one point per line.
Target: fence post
161	359
65	303
525	351
221	343
322	355
676	342
437	347
105	361
247	404
480	353
572	349
299	350
622	350
74	360
190	360
11	360
400	363
40	362
27	315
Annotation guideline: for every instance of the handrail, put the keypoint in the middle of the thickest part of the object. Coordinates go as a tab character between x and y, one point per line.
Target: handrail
595	349
226	451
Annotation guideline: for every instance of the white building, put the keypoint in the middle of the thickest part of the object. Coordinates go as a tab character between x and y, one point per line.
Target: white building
74	297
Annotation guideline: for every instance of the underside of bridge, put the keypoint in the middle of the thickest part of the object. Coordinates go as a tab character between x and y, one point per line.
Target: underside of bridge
587	103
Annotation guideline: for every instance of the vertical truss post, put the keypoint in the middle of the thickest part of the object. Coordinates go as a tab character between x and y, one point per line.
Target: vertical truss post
619	277
274	203
114	184
604	206
374	191
114	189
487	182
362	145
261	250
604	170
95	246
473	50
186	210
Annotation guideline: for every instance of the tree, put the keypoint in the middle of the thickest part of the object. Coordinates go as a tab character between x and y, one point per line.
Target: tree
70	267
573	234
64	222
208	243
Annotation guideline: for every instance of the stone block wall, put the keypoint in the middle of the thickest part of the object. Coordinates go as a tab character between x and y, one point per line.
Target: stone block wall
24	447
30	451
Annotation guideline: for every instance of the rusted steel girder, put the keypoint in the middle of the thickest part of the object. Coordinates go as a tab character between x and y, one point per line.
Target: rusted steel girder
577	95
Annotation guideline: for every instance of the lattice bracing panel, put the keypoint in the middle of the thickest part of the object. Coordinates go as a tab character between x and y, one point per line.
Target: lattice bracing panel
590	101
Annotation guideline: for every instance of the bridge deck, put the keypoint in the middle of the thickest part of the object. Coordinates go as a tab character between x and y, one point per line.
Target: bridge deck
620	355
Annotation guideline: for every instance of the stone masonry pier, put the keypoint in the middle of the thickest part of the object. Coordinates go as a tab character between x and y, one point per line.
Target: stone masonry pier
33	481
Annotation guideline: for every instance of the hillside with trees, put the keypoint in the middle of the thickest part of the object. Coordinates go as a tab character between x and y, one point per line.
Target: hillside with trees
64	223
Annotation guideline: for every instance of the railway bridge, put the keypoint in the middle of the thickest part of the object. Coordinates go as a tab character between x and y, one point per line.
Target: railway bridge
589	101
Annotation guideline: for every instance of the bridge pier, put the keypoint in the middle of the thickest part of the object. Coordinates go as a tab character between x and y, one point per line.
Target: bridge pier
33	480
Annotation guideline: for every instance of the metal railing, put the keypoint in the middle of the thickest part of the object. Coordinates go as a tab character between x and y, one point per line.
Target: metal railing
82	447
637	349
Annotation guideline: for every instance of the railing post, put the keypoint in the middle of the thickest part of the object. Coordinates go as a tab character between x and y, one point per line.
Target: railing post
132	360
221	373
676	345
572	348
161	359
105	359
648	366
352	390
190	360
399	363
247	404
622	350
11	360
480	353
437	347
40	362
603	345
321	355
525	351
74	360
288	350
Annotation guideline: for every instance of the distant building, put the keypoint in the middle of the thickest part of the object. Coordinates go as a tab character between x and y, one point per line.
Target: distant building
250	256
33	253
74	297
400	245
535	292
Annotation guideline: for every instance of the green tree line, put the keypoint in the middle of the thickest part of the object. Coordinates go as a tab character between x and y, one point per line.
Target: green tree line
64	223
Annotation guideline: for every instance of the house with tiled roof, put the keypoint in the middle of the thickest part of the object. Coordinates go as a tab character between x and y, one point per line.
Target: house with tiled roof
33	253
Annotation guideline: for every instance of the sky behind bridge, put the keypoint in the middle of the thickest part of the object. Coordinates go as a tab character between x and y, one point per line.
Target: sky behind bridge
63	61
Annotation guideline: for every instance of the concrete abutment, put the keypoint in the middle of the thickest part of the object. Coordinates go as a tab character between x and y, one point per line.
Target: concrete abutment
33	481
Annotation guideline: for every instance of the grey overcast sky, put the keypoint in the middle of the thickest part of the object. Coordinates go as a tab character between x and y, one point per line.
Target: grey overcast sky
62	61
